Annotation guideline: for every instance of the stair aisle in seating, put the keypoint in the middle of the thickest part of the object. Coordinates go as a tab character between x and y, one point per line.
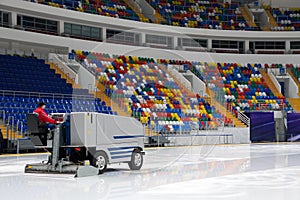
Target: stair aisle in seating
270	83
63	75
224	111
137	11
272	21
295	79
247	16
101	94
295	103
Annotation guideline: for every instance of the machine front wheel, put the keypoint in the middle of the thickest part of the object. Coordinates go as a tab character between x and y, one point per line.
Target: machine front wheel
100	161
136	162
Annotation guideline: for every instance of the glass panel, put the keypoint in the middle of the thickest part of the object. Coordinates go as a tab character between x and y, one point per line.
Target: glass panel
40	24
19	19
5	18
76	29
156	39
86	31
68	28
95	33
28	22
295	45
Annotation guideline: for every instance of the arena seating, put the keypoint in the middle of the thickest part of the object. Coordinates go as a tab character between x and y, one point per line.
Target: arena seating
26	81
243	87
288	19
201	14
209	14
239	87
150	94
295	69
30	72
108	8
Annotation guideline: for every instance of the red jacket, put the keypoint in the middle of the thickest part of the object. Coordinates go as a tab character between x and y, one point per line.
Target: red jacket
43	116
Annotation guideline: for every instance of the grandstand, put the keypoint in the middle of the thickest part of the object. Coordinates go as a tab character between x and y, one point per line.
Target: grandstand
150	94
118	9
242	22
218	78
202	14
288	19
160	101
186	13
37	82
244	87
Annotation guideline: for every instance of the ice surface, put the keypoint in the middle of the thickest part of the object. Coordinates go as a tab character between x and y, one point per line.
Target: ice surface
260	171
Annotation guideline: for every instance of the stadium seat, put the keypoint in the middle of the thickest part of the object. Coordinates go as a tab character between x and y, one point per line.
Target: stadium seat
24	80
149	92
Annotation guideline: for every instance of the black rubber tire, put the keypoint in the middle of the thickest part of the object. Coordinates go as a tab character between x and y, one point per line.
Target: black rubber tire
100	156
137	160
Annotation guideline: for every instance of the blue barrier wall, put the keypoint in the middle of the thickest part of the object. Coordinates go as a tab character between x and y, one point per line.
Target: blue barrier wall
262	127
293	127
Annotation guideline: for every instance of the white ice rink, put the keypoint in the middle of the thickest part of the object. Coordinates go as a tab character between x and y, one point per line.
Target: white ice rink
233	172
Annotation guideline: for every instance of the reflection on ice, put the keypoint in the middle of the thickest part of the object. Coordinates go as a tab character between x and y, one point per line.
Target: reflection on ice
226	172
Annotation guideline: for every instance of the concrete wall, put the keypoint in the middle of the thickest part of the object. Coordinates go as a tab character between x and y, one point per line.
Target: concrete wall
234	136
86	79
147	10
61	65
179	76
62	15
198	85
21	38
293	88
290	87
282	3
274	80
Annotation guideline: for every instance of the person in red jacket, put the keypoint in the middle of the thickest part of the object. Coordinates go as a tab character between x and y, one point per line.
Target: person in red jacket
43	116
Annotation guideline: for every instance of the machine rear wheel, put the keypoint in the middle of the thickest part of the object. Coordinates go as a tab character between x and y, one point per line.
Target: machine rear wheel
136	162
100	161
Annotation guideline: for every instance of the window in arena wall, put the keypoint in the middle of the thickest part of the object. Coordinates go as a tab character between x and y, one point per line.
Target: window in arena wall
268	45
40	24
51	26
95	33
82	31
192	42
67	28
86	31
122	36
295	44
159	40
225	44
4	18
111	33
76	29
37	23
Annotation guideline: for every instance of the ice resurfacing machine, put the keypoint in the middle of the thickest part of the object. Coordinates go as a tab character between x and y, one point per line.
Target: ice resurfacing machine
86	142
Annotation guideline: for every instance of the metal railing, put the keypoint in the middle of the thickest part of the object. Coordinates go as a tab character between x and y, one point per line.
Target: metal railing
67	74
3	116
71	63
246	120
154	129
20	128
43	95
10	131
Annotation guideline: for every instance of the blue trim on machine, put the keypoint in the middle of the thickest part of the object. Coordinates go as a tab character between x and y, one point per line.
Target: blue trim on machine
120	152
123	156
127	136
120	148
